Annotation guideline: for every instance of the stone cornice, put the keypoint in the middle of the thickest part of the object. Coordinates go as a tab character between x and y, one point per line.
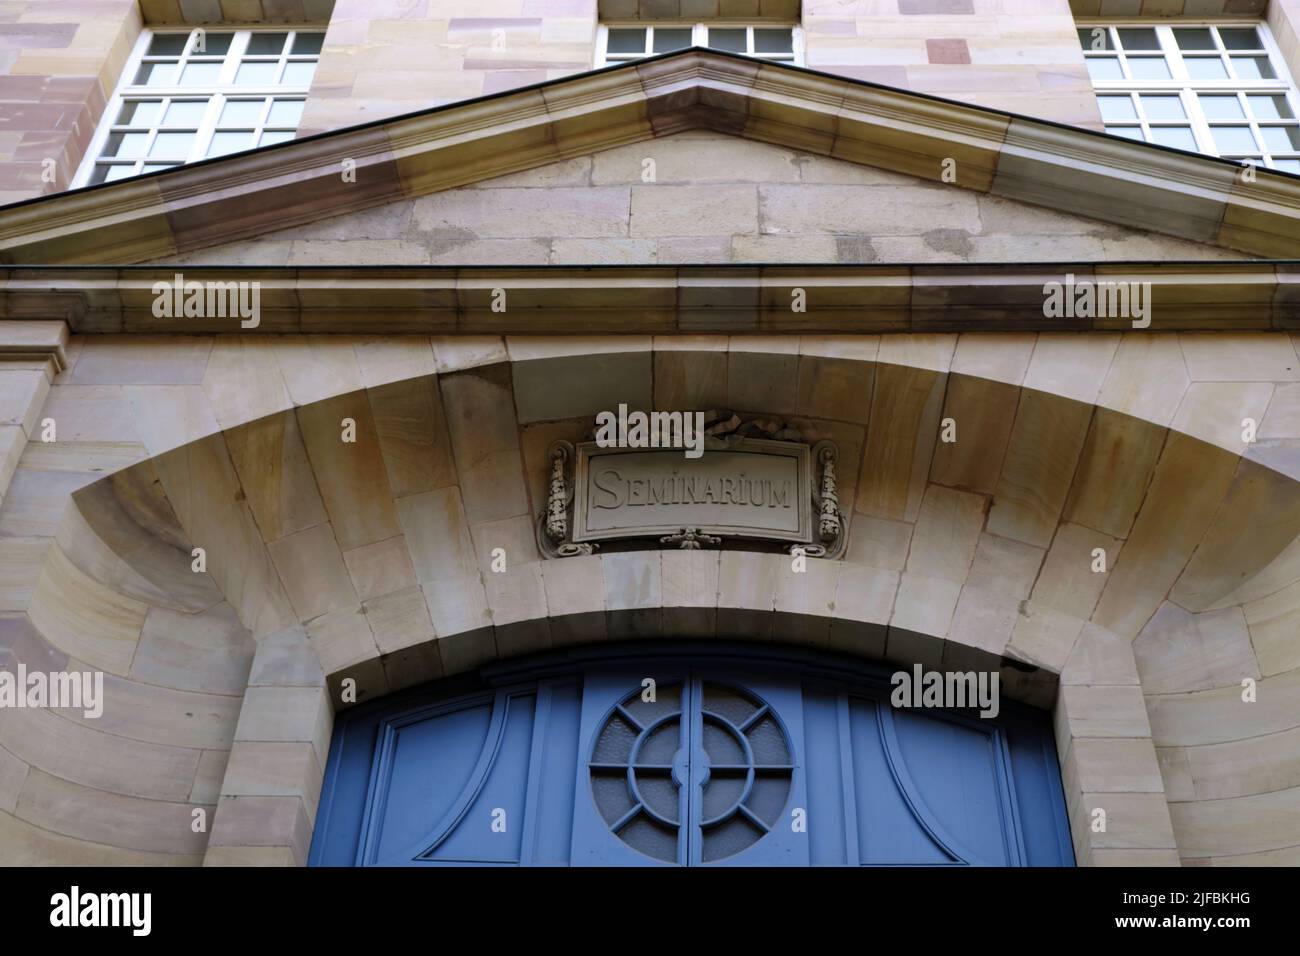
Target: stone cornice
253	193
1235	296
40	341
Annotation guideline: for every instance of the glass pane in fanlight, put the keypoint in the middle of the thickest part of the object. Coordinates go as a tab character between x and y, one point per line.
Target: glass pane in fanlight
1253	68
733	41
1206	68
156	74
211	44
139	113
256	74
307	44
108	174
667	39
223	143
1149	68
167	44
1128	132
285	113
1221	107
626	41
1233	139
1139	38
241	113
1114	108
266	44
185	113
1268	106
126	145
171	145
1240	38
1179	137
1194	38
1095	38
1281	139
1104	68
298	74
1163	107
273	136
773	41
200	74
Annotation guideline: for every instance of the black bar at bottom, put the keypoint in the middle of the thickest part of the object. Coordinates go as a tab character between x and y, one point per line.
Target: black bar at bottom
475	908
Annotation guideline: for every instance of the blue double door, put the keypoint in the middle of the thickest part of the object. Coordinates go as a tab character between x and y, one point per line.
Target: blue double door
708	759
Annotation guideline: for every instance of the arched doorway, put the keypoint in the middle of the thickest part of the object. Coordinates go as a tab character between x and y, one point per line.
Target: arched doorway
653	754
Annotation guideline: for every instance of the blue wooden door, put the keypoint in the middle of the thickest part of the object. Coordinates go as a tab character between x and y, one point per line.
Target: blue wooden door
698	759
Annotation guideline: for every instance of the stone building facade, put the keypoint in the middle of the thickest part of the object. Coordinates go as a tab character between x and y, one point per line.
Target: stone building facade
930	169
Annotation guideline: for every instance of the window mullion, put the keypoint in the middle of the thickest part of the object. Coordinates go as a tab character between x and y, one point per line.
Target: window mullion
1200	124
207	127
1173	55
230	65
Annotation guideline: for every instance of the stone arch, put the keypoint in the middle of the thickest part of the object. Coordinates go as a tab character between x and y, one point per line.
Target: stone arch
960	554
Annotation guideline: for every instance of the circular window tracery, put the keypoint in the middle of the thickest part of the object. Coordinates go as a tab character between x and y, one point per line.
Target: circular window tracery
707	755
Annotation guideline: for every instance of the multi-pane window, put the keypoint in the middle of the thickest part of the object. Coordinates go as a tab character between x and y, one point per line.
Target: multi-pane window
619	43
194	95
1217	89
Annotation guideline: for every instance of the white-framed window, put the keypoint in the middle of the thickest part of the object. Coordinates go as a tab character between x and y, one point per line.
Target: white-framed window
1216	88
621	42
193	94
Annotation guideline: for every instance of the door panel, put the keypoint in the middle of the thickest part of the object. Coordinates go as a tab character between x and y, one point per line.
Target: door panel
746	776
949	770
734	762
890	832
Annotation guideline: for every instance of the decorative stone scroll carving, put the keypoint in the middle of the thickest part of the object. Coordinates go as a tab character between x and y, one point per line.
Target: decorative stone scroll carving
553	523
830	522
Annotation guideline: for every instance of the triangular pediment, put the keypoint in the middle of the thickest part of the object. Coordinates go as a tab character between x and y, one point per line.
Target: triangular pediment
702	197
956	147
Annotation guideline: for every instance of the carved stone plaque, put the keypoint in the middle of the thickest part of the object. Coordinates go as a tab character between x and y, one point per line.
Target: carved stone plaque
751	488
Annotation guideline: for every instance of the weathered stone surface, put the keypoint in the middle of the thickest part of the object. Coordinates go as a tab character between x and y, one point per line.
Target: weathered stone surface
312	569
982	414
276	475
1115	467
380	568
1180	652
905	413
1042	453
211	651
1189	482
412	433
352	476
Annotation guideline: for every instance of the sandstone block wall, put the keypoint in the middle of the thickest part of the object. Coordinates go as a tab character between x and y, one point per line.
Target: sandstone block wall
748	202
367	560
59	63
1017	55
